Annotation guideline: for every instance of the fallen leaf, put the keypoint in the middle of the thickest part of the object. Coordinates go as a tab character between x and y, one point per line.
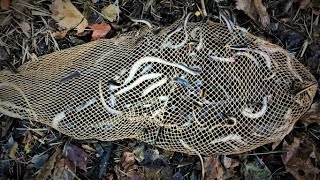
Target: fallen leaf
100	30
25	27
297	160
76	155
5	122
20	9
276	144
48	166
64	170
133	175
166	172
111	12
303	4
39	159
5	4
139	152
152	173
27	137
88	148
230	163
127	160
177	176
312	115
68	16
291	150
27	148
59	34
13	151
255	10
212	167
315	5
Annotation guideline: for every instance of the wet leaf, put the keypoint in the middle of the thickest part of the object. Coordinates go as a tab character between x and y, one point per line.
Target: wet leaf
5	4
76	155
255	10
127	160
297	160
111	12
100	30
68	16
48	166
212	167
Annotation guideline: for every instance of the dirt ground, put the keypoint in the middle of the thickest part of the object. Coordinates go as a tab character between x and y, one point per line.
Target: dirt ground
29	29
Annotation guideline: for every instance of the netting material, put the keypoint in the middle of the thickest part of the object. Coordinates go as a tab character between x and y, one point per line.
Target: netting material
202	88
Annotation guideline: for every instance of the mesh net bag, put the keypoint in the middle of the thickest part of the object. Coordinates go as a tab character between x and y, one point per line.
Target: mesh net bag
198	88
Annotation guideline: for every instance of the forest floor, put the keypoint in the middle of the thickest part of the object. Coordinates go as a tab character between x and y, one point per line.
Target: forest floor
29	29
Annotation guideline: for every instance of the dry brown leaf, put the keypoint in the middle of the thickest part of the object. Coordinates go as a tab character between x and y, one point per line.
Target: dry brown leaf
111	12
5	4
312	115
67	15
255	10
133	175
127	160
212	168
88	148
25	27
297	160
64	169
100	30
230	163
48	166
291	150
316	7
303	4
20	11
59	34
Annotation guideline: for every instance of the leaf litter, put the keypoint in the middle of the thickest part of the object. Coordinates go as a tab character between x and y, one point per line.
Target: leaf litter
31	28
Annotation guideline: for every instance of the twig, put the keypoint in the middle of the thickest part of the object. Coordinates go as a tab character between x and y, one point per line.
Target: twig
203	7
272	152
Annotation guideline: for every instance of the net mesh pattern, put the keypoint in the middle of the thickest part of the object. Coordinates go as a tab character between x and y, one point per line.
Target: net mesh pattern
196	88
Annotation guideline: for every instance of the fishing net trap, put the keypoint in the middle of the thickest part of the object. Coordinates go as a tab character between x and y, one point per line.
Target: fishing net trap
192	87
